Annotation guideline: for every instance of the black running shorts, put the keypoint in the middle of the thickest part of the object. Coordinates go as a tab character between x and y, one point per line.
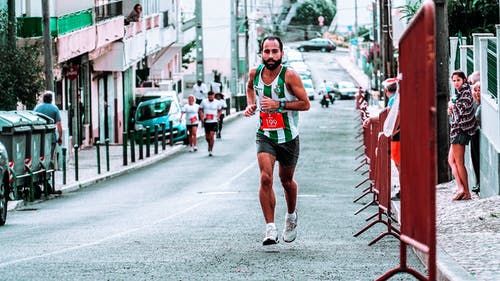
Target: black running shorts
286	153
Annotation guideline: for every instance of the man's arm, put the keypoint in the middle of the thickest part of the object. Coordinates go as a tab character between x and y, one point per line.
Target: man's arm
59	132
251	98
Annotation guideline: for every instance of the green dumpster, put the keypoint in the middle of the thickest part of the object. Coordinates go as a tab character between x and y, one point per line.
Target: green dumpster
14	131
240	102
48	139
34	142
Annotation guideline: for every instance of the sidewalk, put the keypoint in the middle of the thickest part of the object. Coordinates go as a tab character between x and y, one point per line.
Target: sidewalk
468	232
88	168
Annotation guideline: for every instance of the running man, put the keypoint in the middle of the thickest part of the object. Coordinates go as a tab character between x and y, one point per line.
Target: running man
278	93
210	111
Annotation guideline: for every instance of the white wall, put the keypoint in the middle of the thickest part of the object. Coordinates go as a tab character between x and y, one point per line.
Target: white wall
217	36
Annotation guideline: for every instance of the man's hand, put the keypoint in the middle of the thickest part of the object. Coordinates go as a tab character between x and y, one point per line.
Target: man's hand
250	110
267	103
59	141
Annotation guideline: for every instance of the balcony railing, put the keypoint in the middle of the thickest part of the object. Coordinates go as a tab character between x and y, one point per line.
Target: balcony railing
33	26
110	10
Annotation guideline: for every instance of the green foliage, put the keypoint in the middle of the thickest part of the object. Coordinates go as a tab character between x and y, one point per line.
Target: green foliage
310	10
476	16
409	10
21	72
464	17
187	54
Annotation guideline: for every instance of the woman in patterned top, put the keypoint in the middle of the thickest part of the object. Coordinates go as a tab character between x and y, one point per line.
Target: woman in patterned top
463	125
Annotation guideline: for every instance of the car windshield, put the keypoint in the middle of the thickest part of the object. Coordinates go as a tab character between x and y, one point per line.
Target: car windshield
153	110
345	85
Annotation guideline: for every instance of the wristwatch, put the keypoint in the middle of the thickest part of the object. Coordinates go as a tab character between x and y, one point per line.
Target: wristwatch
282	106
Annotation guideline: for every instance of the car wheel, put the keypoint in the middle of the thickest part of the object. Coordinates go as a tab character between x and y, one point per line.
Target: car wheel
323	49
302	49
3	202
338	96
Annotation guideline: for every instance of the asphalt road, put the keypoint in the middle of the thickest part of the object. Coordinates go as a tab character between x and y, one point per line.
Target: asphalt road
194	217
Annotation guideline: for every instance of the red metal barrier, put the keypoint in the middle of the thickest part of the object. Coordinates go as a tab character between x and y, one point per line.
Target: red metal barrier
372	140
418	141
382	187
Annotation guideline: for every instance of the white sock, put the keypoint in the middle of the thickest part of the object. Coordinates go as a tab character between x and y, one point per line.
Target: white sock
291	216
271	224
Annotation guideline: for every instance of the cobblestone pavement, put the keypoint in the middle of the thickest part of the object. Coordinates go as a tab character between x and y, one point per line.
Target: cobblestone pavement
469	231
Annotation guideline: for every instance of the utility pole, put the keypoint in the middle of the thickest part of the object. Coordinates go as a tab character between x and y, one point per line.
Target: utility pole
47	47
442	91
376	45
387	48
200	72
246	42
11	27
234	48
356	18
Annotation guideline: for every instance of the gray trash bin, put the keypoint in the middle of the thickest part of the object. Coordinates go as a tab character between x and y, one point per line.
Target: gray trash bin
50	128
34	141
14	131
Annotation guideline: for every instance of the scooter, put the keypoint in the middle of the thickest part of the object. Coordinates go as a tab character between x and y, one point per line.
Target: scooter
326	99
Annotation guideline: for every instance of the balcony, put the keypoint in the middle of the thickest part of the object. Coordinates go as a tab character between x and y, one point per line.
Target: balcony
33	26
107	11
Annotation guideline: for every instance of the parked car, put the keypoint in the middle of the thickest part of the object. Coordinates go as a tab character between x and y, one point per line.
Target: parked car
4	184
344	90
308	85
318	44
158	111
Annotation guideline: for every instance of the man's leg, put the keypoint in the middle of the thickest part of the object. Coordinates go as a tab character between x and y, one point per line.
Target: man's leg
290	187
266	193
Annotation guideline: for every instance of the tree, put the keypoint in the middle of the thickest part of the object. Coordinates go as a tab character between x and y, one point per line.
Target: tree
464	17
21	75
309	11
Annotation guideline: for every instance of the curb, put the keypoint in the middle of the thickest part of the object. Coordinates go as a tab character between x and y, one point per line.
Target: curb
19	204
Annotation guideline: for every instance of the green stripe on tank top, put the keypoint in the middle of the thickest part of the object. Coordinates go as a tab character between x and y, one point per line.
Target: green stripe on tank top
268	92
286	120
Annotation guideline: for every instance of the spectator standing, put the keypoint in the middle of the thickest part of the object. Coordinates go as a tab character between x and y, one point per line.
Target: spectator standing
210	111
463	126
199	91
191	110
135	15
390	88
220	98
474	142
279	94
47	108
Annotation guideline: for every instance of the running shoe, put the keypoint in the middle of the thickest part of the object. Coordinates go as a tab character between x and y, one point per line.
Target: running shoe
195	148
210	153
290	232
191	149
271	237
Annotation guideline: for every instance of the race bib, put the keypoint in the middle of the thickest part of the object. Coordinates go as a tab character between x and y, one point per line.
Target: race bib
209	117
271	121
193	119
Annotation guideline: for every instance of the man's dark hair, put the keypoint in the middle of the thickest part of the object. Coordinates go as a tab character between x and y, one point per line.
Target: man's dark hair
271	37
47	98
391	88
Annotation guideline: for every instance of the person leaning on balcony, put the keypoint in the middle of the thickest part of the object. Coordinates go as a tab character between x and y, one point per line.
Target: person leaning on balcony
135	15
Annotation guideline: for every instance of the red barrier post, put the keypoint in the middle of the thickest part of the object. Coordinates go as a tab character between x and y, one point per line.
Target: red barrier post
417	50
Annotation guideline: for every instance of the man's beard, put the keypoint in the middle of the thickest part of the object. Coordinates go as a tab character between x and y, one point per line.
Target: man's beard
272	66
